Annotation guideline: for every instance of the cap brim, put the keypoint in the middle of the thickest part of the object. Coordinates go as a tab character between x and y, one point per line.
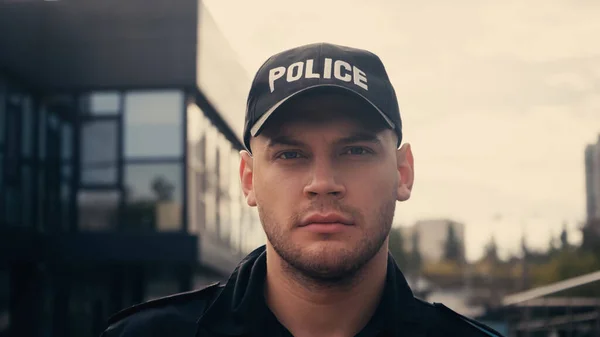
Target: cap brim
259	124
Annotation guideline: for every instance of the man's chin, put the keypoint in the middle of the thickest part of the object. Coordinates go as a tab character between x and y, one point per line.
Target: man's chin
326	261
334	251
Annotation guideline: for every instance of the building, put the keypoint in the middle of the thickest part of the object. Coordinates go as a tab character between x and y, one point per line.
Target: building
569	307
592	180
432	235
120	127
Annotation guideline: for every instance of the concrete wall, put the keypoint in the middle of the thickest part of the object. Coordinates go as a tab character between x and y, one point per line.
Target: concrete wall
432	237
220	76
80	44
592	175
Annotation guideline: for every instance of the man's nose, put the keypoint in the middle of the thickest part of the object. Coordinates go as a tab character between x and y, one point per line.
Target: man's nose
324	180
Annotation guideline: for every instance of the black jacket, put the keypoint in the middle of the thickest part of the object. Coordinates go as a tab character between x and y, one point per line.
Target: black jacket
238	309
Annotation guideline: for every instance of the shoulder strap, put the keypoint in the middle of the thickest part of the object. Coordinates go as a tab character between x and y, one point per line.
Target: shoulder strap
484	329
209	293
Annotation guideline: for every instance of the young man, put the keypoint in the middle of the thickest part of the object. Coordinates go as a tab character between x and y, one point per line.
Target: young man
325	169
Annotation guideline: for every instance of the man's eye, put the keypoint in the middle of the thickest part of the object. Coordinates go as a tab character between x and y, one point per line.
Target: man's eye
289	155
356	150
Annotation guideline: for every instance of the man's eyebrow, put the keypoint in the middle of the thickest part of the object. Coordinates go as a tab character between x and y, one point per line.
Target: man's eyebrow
356	137
360	137
283	141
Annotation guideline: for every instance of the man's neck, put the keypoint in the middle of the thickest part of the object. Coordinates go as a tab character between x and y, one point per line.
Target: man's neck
309	309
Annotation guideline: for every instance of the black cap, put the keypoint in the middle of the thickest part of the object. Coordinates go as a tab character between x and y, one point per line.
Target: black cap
315	66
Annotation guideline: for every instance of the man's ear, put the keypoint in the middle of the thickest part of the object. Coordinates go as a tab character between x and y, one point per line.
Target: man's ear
406	171
246	177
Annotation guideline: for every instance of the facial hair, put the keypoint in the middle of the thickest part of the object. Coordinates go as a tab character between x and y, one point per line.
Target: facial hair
327	267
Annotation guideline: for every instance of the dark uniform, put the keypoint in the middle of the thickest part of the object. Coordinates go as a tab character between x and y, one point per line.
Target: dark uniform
238	308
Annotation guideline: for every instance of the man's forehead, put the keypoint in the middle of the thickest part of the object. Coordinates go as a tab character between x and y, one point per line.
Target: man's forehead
333	131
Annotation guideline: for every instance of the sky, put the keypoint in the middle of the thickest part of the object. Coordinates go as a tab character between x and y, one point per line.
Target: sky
498	99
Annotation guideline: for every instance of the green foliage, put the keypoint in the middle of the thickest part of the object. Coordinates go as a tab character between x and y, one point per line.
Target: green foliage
415	260
564	238
566	264
591	236
452	246
162	188
396	247
491	251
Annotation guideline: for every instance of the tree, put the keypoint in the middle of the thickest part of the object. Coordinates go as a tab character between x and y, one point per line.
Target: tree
525	281
452	246
163	188
564	239
415	254
591	236
552	247
491	250
567	264
396	247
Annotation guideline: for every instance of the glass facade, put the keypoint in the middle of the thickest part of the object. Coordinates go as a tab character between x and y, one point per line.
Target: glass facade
92	161
217	207
118	166
117	161
99	158
113	160
154	196
18	157
153	124
224	82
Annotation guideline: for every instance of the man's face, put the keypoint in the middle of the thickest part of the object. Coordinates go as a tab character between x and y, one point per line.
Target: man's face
325	177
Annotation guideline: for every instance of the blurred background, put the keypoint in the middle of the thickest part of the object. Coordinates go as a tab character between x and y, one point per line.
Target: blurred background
121	121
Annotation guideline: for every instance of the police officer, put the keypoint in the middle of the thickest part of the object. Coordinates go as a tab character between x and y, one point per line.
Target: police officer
325	167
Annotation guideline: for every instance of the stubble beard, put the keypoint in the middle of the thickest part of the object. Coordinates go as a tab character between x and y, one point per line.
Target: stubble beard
328	267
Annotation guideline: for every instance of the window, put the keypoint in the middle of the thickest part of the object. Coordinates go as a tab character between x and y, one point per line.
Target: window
12	150
42	132
2	109
11	206
27	196
41	197
102	103
235	197
66	141
211	181
195	138
224	177
153	197
97	210
200	204
27	127
153	124
99	152
14	98
200	148
195	127
65	202
192	201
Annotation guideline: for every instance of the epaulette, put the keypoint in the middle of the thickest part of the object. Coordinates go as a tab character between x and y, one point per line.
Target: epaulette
484	329
163	301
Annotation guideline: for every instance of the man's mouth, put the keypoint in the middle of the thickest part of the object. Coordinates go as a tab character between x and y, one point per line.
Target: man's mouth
326	222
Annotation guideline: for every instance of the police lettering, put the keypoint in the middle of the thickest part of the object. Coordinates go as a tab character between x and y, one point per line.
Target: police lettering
339	69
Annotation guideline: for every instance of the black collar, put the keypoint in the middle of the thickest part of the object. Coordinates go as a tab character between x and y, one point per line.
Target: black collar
241	309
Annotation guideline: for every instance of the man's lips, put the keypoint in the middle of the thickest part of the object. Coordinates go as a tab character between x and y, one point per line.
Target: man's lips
326	219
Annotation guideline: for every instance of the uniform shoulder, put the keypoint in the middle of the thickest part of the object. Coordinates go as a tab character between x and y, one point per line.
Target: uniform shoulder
450	320
178	311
